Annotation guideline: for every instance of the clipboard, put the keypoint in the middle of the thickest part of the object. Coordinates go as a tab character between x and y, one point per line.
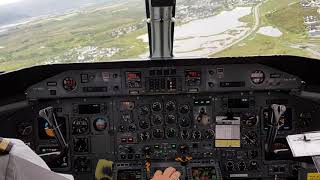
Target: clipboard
307	144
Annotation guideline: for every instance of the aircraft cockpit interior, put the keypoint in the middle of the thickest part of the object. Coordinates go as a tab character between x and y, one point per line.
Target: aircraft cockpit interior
208	118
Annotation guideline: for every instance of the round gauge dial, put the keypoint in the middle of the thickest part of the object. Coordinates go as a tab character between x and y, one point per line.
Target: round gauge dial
209	134
69	83
156	106
144	124
257	77
144	110
171	119
80	145
100	124
184	109
196	135
132	128
171	133
82	164
157	119
170	106
249	138
158	133
249	120
184	122
80	126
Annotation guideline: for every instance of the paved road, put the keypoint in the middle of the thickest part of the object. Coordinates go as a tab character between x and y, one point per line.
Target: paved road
256	14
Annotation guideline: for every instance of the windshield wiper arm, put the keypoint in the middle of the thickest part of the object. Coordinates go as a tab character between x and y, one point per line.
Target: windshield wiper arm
160	18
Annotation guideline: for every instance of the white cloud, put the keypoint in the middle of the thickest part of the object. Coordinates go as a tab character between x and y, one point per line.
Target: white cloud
4	2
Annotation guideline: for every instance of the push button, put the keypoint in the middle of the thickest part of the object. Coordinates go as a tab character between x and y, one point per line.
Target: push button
84	78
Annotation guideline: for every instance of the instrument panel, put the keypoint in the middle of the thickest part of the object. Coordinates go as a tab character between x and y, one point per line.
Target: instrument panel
163	80
209	122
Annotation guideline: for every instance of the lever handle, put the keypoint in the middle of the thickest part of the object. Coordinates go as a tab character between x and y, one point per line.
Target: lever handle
277	111
49	116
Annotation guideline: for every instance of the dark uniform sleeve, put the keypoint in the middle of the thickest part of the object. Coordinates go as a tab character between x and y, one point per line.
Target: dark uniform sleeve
5	146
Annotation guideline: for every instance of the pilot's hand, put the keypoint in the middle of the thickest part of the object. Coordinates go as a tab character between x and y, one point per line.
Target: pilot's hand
169	174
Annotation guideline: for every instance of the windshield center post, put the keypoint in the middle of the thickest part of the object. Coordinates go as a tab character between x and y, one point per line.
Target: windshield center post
160	21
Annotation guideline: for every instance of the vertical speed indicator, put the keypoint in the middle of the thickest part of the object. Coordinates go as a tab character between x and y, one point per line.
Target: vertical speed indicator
257	77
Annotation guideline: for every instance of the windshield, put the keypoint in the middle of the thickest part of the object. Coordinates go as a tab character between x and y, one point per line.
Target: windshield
35	32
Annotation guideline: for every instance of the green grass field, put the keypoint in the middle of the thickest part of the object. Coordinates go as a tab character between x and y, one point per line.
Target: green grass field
287	16
39	41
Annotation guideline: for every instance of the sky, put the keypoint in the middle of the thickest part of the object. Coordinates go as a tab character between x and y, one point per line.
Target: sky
4	2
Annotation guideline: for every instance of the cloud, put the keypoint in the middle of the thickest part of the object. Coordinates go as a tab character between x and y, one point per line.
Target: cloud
4	2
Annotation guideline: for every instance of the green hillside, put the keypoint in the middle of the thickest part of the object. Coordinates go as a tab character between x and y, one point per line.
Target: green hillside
43	40
287	16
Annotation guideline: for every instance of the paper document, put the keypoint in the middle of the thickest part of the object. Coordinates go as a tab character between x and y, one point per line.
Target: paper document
304	144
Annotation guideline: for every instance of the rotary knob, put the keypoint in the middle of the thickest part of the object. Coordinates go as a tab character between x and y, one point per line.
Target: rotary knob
147	150
122	128
183	149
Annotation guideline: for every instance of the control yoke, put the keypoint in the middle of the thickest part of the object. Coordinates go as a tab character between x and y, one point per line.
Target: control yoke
49	116
277	111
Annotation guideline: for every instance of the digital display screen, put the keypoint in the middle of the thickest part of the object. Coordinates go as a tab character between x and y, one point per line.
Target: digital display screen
285	121
232	84
192	78
134	79
89	108
238	103
129	175
193	74
204	173
133	75
47	133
